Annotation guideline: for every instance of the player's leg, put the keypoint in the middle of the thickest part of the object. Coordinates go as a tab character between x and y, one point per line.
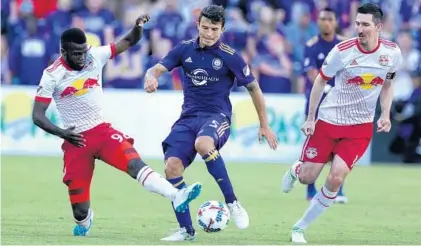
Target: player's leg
179	153
78	170
117	150
347	152
311	188
316	153
212	136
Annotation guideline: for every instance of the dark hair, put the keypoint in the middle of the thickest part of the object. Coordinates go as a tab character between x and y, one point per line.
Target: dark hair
328	9
73	35
215	13
374	9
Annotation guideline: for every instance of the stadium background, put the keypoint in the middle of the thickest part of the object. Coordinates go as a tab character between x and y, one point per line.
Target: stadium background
271	35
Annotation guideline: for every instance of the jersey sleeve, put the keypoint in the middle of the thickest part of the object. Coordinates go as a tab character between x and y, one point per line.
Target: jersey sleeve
309	59
104	53
46	88
397	60
173	58
241	70
332	64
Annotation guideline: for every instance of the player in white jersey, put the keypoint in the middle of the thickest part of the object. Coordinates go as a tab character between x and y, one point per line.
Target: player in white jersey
363	68
74	81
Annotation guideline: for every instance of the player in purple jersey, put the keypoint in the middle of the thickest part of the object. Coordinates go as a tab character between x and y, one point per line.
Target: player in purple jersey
315	53
210	70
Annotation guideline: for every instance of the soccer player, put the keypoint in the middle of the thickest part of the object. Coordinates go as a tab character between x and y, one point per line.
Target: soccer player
75	83
210	69
315	53
364	68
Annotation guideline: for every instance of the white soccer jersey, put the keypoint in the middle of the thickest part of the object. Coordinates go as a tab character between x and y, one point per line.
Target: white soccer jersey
77	94
359	78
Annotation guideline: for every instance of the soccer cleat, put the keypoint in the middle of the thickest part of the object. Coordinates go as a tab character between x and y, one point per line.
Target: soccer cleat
297	235
239	215
81	230
341	199
180	235
185	196
289	180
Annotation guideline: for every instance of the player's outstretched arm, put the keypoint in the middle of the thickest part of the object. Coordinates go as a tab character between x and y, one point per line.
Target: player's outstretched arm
133	36
315	96
40	119
151	77
259	103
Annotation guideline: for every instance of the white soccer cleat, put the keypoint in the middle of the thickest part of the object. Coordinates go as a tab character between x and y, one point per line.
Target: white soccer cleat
289	180
179	236
341	199
297	236
185	196
239	215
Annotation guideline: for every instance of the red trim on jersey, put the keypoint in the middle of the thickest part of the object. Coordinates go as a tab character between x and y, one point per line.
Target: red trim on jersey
42	99
324	75
113	50
54	66
63	62
368	52
346	45
388	43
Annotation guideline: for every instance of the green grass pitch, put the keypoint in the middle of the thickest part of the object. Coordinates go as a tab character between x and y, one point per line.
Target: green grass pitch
384	206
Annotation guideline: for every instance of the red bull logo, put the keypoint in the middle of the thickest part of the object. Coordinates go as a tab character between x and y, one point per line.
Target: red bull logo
366	81
79	87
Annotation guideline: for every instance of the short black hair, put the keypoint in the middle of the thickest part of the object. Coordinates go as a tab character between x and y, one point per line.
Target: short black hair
73	35
372	8
328	9
215	13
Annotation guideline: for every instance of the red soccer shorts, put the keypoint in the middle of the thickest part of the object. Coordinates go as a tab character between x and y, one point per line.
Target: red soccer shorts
349	142
102	142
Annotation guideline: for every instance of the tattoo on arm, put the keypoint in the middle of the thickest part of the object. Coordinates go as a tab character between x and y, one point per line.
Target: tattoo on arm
252	86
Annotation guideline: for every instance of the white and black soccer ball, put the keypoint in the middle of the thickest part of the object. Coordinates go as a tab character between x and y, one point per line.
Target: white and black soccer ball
213	216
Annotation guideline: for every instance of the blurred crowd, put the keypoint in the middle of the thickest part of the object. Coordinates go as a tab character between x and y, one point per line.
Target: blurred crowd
270	34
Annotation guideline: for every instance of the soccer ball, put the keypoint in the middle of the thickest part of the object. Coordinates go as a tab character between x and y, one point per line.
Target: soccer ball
213	216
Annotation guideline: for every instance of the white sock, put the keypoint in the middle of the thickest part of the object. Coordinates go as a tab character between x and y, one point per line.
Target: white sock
154	182
85	222
295	169
320	202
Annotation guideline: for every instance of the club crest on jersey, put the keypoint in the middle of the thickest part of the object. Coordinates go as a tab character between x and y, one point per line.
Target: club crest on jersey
311	152
383	60
217	63
79	87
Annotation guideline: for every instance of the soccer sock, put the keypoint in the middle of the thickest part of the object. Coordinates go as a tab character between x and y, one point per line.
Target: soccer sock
85	222
320	202
295	169
341	192
184	219
154	182
311	188
217	169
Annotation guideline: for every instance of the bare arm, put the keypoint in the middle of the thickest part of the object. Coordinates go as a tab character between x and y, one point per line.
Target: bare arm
40	120
156	71
315	96
386	98
259	102
133	36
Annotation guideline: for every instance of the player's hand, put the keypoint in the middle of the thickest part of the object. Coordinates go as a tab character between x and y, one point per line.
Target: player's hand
142	19
383	124
151	83
72	137
308	127
269	135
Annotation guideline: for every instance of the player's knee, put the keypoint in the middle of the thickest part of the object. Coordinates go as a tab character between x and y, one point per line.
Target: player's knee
80	210
173	167
307	175
203	145
134	166
334	181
